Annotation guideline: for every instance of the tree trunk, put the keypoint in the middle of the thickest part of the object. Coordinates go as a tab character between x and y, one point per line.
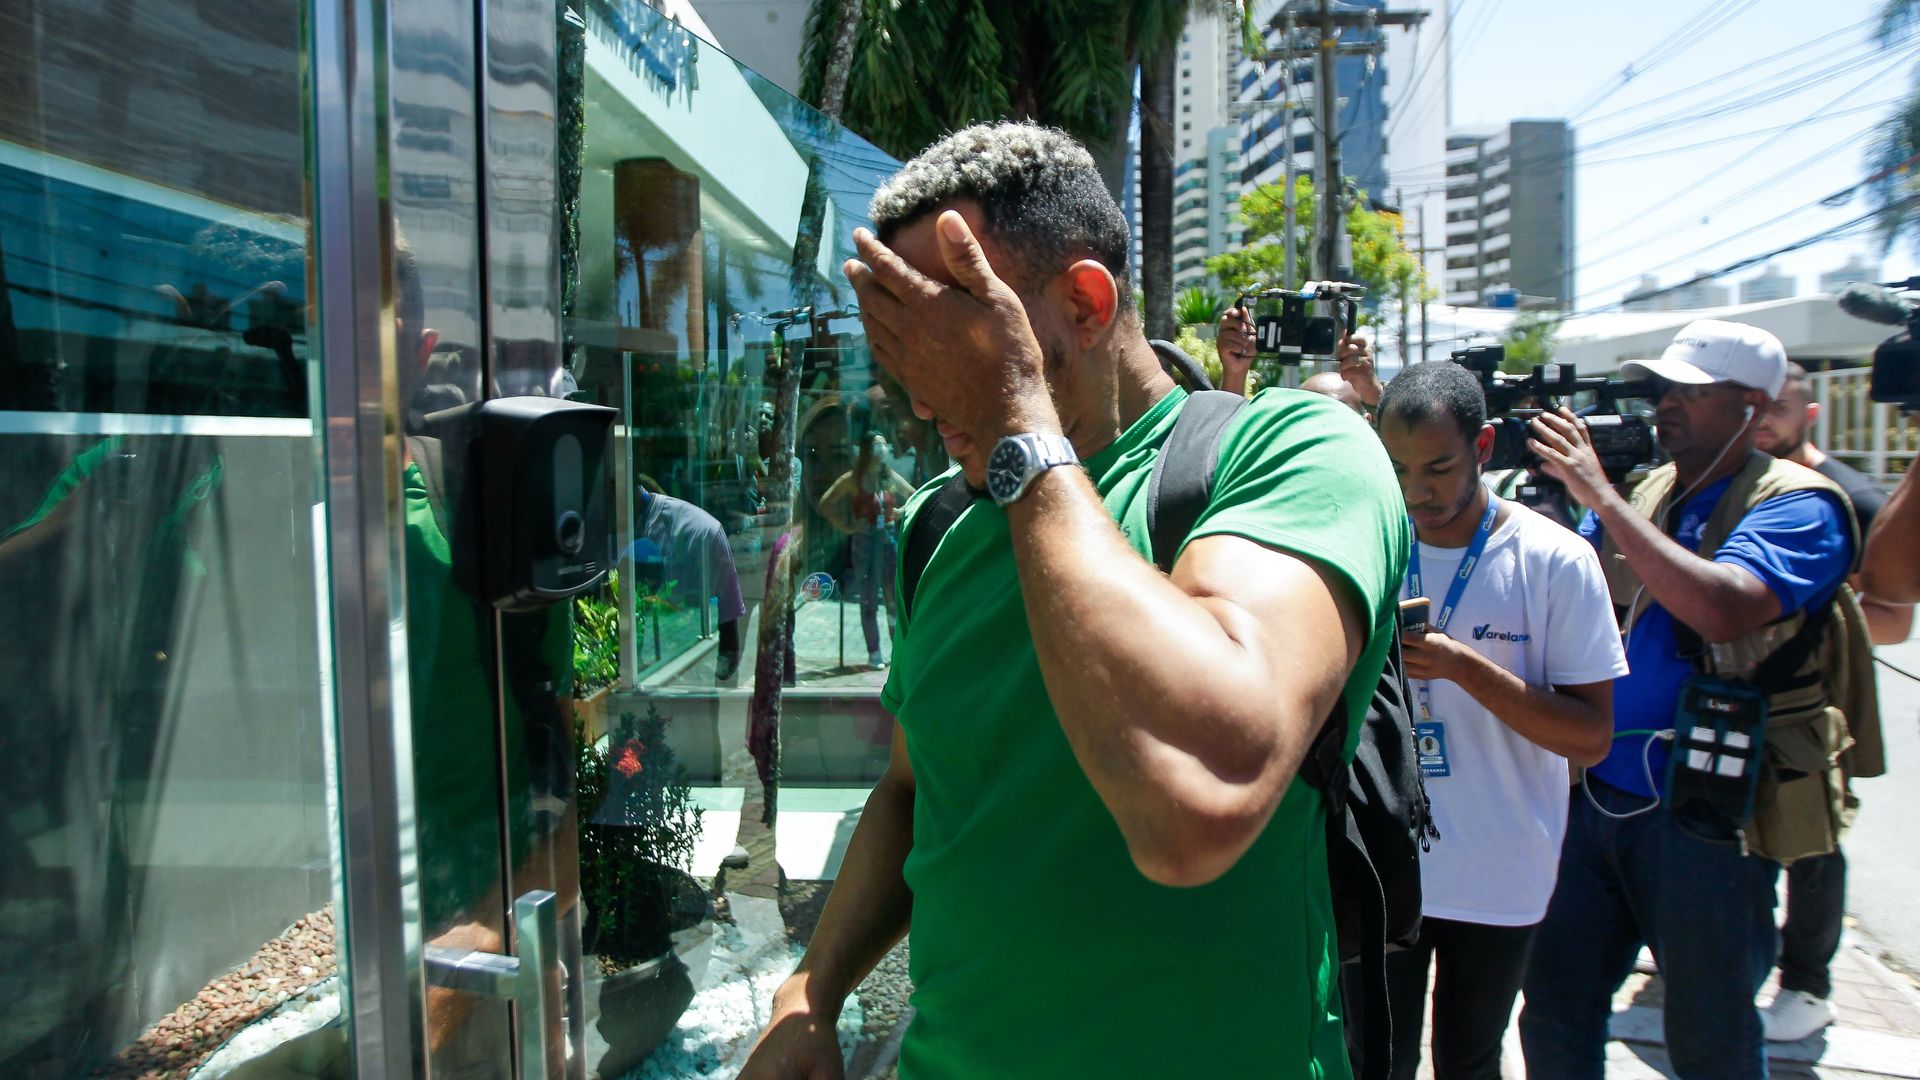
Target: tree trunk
771	671
833	91
1157	71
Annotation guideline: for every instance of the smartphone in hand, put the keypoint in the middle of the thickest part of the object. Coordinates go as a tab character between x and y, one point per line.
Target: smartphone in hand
1413	615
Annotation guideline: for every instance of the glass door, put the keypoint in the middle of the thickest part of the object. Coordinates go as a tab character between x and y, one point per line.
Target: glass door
170	863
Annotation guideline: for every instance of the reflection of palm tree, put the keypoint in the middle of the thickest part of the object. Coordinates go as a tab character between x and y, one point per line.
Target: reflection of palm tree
1893	189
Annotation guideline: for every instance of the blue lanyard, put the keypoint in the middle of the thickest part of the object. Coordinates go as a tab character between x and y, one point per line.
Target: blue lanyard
1468	564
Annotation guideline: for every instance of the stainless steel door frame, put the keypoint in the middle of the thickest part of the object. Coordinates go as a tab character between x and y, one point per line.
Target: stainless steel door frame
507	78
380	930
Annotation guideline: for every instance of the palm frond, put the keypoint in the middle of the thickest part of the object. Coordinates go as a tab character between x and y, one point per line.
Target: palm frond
1896	19
1896	187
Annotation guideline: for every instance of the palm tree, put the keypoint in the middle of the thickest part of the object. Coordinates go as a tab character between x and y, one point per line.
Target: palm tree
921	68
1893	184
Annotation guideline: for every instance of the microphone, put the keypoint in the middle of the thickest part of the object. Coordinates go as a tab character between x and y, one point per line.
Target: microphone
839	313
1875	304
789	313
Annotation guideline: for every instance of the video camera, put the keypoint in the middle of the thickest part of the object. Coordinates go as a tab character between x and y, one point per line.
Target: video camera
1896	361
1623	440
1296	335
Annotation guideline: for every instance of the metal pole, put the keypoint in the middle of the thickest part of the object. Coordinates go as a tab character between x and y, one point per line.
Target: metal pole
1286	196
1406	337
1332	222
1422	225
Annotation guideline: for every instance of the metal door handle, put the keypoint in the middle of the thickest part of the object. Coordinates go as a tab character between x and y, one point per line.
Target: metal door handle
535	981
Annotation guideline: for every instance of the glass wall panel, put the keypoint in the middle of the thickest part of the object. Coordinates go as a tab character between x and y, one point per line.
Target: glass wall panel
167	840
729	679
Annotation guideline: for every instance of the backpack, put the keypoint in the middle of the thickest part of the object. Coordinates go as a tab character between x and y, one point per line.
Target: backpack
1378	815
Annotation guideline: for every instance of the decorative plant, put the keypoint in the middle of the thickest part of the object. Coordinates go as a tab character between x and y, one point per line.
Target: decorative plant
1197	307
596	638
640	830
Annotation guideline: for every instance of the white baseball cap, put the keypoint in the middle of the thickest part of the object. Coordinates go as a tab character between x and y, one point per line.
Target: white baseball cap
1712	351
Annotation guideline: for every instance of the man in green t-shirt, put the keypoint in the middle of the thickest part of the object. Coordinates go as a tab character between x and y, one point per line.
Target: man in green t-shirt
1090	817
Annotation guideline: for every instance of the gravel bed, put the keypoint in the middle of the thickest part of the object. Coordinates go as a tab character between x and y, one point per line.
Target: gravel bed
286	967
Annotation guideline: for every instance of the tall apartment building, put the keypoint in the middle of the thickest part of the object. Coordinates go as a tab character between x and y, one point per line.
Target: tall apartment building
1206	171
1649	296
1232	125
1510	214
1855	269
1267	125
1769	284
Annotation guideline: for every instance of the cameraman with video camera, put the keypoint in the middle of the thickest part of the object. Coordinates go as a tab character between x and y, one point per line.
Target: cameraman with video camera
1890	564
1732	547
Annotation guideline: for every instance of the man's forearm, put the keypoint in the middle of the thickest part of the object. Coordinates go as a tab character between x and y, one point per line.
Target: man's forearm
1167	700
1548	718
1233	378
1719	602
1890	563
1887	624
870	906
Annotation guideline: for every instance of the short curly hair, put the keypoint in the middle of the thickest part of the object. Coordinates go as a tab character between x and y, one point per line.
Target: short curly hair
1042	197
1438	390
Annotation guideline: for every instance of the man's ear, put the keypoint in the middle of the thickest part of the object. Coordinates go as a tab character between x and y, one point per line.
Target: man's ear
1483	444
1094	299
1813	412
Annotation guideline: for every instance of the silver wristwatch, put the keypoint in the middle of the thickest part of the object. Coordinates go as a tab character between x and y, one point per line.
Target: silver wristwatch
1017	459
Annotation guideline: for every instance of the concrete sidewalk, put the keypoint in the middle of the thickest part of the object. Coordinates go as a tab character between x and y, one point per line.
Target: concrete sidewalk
1877	1033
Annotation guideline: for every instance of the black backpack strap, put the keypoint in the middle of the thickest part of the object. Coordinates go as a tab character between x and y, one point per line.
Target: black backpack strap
925	528
1182	478
1778	669
1177	362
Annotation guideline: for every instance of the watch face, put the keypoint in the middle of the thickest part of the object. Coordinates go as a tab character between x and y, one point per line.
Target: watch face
1005	468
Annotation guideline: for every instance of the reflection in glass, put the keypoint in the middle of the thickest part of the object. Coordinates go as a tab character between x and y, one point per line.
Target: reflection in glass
167	847
764	462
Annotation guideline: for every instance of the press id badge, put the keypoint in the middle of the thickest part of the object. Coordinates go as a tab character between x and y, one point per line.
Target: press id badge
1430	739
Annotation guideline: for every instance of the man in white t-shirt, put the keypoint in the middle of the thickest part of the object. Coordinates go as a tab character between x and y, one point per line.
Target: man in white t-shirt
1512	678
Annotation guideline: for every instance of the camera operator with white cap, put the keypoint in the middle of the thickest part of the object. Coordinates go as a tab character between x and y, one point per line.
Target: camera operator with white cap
1716	562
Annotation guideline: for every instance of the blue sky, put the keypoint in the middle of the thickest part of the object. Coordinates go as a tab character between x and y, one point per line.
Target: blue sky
1653	201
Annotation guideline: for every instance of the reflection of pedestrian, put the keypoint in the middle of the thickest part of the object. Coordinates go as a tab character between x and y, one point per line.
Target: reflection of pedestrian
694	563
865	503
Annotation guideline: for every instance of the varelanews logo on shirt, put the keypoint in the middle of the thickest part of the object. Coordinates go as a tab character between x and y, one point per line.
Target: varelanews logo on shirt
1486	632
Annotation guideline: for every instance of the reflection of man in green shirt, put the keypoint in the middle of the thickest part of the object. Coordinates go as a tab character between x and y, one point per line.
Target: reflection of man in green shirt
1091	816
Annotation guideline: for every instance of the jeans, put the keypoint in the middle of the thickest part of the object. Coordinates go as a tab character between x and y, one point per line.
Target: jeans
1816	901
1480	972
1704	908
875	558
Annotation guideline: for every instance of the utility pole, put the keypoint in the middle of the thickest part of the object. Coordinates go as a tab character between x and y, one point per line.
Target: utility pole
1326	100
1332	257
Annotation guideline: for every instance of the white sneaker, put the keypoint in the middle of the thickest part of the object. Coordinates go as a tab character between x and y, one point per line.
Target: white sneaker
1795	1015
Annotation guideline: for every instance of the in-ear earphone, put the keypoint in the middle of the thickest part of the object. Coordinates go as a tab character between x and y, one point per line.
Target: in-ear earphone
1748	416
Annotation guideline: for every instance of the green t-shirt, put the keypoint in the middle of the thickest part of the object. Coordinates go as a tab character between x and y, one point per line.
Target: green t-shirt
1039	949
455	738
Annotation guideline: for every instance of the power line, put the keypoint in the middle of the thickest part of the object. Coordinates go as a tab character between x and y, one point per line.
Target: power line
1752	68
1837	198
1835	233
1420	73
1696	29
1882	62
1479	31
1820	113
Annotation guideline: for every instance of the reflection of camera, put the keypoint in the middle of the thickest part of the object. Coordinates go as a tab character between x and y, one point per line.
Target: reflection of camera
1295	334
1623	441
1896	362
